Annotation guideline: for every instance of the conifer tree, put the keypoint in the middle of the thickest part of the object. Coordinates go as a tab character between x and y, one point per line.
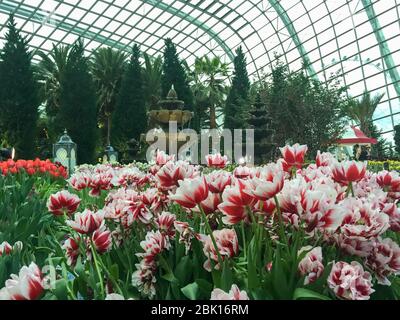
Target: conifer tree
78	110
174	73
130	115
237	101
19	93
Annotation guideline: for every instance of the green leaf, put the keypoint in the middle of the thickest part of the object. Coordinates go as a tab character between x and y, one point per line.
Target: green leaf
302	293
191	291
60	290
205	288
183	270
226	276
169	277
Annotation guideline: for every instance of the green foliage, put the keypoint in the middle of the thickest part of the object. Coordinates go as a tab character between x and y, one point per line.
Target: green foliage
362	111
151	76
19	95
49	72
173	73
78	112
130	116
107	67
237	101
304	110
209	89
380	150
397	138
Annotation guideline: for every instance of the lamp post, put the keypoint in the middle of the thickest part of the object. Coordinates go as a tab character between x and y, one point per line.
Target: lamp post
64	152
7	153
110	155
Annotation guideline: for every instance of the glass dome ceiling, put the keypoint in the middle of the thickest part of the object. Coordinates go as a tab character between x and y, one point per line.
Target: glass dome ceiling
354	41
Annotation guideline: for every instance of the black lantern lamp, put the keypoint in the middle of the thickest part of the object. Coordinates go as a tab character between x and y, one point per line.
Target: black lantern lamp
7	153
110	155
64	152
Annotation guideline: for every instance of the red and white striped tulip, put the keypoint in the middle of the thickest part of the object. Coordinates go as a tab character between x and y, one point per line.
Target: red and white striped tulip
233	294
218	180
350	281
294	155
227	244
236	201
63	202
311	265
87	221
27	285
5	248
190	192
348	171
102	239
216	160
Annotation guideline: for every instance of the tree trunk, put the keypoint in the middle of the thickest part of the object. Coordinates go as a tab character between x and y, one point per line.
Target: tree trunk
108	130
213	118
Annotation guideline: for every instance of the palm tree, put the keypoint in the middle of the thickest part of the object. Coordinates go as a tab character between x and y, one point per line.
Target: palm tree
107	66
152	79
49	72
362	111
209	85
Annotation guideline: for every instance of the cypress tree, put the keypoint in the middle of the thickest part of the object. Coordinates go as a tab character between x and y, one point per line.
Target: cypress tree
237	100
173	73
78	110
397	138
260	120
19	94
130	116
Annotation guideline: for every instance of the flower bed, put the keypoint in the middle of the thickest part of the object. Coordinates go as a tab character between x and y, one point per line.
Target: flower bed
178	231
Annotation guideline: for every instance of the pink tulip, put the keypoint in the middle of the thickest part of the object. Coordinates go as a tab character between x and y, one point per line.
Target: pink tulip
233	294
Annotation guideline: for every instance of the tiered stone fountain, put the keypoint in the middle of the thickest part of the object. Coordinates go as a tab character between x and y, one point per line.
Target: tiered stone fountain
168	110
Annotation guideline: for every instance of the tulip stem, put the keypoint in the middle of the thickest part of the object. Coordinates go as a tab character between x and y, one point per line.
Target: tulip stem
244	240
211	236
350	189
281	228
97	268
